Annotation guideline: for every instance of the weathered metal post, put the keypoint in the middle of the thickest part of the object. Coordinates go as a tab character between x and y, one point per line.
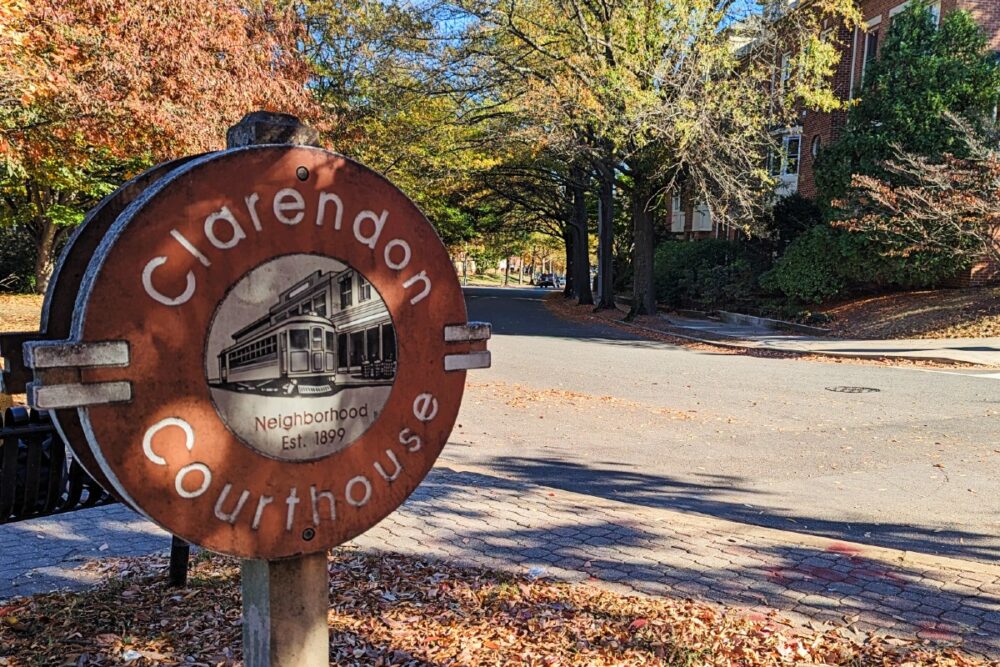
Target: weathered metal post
285	603
180	552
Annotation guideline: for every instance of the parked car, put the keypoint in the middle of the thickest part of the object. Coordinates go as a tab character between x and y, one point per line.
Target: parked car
546	280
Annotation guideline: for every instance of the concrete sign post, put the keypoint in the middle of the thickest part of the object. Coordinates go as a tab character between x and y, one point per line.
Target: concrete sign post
266	355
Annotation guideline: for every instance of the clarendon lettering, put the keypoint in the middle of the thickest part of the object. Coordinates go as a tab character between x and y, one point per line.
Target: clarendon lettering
226	229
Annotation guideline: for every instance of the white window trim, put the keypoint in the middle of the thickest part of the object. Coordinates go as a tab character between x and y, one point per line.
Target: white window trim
899	8
785	74
864	56
783	156
872	22
935	8
677	220
702	218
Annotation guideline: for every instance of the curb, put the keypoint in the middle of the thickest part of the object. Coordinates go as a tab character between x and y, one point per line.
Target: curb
786	537
746	345
740	318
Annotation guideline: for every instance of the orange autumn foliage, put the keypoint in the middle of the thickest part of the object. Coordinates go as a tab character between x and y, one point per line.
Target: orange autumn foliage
141	77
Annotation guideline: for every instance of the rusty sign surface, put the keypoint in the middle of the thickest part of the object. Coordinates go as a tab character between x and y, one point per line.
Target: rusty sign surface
267	353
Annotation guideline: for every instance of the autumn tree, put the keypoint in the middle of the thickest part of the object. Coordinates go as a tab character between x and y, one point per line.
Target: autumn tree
667	93
944	207
95	90
923	73
378	68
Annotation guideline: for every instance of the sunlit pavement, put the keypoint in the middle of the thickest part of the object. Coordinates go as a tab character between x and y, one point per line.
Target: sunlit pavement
896	457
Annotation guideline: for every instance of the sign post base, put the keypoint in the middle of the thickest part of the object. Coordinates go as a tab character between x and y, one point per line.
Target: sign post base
285	605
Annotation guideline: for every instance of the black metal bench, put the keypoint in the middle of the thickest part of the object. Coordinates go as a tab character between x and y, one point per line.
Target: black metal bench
39	477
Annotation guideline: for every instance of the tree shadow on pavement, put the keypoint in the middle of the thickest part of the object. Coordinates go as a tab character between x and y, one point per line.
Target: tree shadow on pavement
528	316
44	554
485	520
661	491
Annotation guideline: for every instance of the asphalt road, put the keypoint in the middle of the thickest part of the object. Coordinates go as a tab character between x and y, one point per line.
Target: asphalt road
914	465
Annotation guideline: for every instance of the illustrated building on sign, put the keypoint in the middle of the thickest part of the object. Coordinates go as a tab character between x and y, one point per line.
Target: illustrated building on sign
326	324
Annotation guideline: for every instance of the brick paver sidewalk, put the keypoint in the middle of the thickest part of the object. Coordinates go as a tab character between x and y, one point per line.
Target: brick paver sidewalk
477	518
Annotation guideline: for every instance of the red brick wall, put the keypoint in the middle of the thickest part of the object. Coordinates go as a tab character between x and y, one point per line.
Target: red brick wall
852	44
983	273
825	126
987	14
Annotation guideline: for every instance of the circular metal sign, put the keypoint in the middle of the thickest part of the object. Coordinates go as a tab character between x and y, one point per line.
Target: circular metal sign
271	345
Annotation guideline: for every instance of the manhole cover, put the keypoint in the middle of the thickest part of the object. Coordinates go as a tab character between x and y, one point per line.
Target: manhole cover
854	390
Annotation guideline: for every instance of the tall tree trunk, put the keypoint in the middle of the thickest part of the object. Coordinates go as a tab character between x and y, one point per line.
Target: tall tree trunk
606	237
643	285
581	239
570	281
45	247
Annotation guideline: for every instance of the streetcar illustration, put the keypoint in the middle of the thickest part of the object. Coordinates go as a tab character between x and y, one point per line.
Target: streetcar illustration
328	331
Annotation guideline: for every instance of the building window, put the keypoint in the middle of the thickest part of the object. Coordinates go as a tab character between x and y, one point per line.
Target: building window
342	361
372	343
786	70
702	218
814	148
936	12
364	289
677	214
792	155
346	297
357	342
871	51
786	163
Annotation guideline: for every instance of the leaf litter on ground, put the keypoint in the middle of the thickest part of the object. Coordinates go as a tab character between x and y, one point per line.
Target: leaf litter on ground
520	396
388	609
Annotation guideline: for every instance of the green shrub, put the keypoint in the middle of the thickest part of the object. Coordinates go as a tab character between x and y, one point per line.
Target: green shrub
17	259
826	263
869	262
707	274
810	271
791	217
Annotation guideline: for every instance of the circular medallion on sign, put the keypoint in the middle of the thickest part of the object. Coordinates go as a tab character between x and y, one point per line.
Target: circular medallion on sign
300	357
291	350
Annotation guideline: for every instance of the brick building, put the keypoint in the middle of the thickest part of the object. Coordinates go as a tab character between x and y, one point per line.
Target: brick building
801	144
